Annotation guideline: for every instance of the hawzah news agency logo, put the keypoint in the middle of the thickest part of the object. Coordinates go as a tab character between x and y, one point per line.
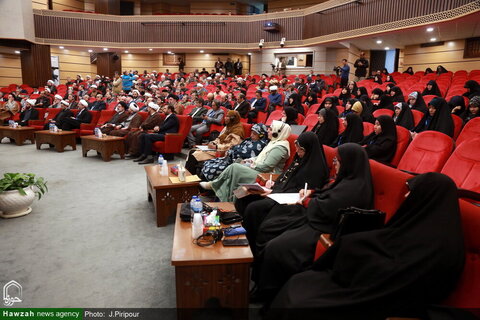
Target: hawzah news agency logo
12	292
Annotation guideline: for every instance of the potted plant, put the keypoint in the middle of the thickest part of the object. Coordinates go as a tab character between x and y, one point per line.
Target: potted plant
17	192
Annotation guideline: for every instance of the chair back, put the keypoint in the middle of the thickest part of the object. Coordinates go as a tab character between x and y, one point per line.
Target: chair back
428	152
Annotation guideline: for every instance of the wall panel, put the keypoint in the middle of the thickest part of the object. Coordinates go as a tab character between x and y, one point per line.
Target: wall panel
10	69
68	5
40	4
449	55
73	62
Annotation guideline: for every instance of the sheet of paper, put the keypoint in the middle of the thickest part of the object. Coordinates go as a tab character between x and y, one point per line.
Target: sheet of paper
204	148
285	198
193	178
254	187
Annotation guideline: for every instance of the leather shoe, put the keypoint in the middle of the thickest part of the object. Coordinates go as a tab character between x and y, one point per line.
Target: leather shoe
147	160
131	156
141	158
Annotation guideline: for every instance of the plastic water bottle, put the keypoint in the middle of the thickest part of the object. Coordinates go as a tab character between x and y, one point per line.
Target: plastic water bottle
55	128
192	204
50	127
160	160
197	226
198	205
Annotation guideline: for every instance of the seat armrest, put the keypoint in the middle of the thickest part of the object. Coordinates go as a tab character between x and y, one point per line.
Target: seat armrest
87	126
469	194
36	122
264	177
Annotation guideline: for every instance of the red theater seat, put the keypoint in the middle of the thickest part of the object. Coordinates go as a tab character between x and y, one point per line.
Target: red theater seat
275	115
458	125
463	166
467	292
247	129
105	115
367	128
428	152
403	140
310	121
470	131
417	116
42	120
174	141
87	128
291	140
380	112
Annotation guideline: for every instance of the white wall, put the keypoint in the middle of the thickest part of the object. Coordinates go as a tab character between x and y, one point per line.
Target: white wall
261	60
17	20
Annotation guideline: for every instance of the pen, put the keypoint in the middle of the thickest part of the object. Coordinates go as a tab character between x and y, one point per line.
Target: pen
305	190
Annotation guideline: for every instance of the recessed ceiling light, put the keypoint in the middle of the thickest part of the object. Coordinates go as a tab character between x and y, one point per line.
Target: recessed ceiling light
379	41
17	52
429	29
90	50
201	51
169	52
105	49
150	49
249	53
433	39
387	48
62	47
126	51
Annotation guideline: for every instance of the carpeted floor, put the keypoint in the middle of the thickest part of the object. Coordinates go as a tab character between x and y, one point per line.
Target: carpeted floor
92	241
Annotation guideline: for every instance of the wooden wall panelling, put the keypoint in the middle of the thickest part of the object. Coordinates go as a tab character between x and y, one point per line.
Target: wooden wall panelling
36	65
281	5
370	13
108	63
89	5
107	6
10	69
449	55
40	4
68	5
73	62
214	7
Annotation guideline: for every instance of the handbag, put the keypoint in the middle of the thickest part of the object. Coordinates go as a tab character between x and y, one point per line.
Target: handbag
229	217
351	220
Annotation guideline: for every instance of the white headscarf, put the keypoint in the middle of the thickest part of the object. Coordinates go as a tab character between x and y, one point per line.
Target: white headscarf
283	130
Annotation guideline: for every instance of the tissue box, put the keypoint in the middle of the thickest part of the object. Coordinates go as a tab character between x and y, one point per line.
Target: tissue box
174	170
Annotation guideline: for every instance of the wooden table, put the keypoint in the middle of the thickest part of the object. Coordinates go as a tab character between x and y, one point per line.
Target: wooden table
59	139
19	134
165	194
205	272
105	146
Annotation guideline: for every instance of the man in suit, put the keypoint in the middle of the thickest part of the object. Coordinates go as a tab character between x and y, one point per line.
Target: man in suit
83	116
242	105
274	98
99	104
170	125
28	113
120	116
257	104
63	114
198	112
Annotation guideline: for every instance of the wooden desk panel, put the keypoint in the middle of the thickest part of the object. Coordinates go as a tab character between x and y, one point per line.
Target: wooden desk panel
59	139
20	134
106	146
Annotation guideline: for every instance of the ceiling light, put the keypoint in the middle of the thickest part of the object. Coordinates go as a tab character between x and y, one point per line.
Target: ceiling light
379	41
17	52
150	49
433	39
387	48
105	49
201	51
90	50
430	29
169	52
62	47
249	53
126	51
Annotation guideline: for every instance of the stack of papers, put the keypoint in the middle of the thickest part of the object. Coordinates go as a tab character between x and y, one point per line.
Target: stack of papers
193	178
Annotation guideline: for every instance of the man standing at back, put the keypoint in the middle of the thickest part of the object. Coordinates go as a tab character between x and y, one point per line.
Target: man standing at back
361	65
345	72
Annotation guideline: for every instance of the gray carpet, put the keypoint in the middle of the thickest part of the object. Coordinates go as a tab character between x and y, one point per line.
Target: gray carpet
92	241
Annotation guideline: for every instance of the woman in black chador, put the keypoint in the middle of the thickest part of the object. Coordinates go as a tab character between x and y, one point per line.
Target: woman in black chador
309	166
396	271
293	251
381	144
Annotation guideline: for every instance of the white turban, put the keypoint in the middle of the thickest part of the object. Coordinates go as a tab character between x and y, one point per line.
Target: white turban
83	102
